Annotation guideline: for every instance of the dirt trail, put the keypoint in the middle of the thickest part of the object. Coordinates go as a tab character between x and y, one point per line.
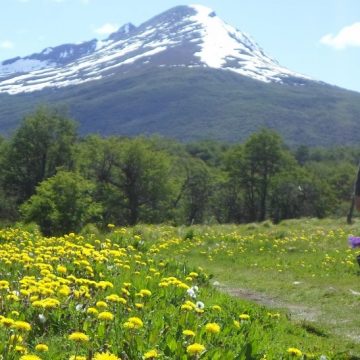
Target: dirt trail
296	312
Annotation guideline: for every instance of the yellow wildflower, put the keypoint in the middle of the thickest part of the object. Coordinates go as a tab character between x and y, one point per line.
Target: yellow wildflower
41	347
21	325
78	337
101	304
7	322
4	285
236	324
106	316
145	292
20	349
61	269
134	323
244	317
212	328
105	356
188	333
294	351
195	349
92	311
152	354
14	339
30	357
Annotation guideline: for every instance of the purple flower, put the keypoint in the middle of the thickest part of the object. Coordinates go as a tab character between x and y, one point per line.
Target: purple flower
354	241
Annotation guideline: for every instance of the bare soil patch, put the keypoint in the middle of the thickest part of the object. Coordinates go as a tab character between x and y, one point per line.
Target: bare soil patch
296	312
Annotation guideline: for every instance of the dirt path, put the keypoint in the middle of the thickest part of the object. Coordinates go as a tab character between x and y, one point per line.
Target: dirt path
296	312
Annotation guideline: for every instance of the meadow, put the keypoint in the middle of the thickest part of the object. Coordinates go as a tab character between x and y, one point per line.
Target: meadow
150	292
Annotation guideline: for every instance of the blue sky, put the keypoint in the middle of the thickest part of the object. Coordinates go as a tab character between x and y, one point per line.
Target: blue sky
319	38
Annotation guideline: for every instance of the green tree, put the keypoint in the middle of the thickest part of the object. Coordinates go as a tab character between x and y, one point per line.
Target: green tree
95	160
142	174
251	167
195	191
132	177
42	143
62	204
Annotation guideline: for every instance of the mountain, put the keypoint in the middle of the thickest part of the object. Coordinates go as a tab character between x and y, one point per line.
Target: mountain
184	74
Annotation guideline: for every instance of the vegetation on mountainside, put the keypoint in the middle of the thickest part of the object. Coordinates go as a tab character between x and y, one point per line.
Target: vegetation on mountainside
197	104
154	180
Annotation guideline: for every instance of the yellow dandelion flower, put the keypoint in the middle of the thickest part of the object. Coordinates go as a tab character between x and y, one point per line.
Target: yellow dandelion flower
14	339
194	274
244	317
4	285
50	303
195	349
152	354
101	304
7	322
188	333
212	328
106	316
30	357
134	323
105	356
41	347
21	325
20	349
129	325
12	297
61	269
92	311
236	324
145	292
116	298
64	291
78	337
294	352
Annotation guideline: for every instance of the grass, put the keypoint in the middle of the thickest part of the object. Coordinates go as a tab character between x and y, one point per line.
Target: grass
304	267
133	291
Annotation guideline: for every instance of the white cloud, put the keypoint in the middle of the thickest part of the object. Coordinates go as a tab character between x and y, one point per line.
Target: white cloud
349	36
106	29
6	44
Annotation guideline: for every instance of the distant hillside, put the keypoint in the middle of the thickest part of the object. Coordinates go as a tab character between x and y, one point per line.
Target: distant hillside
190	104
184	74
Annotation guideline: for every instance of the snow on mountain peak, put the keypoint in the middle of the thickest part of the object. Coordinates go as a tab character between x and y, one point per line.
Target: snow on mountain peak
187	36
225	47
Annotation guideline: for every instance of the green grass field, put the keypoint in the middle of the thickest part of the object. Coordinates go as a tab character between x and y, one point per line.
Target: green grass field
160	292
303	267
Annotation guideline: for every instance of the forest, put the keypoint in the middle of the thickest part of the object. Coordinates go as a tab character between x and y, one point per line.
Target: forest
63	182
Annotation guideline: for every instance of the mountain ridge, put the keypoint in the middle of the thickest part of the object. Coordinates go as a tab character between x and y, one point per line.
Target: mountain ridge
183	74
182	36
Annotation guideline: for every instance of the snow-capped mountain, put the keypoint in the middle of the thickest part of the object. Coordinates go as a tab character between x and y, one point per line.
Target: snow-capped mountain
185	36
